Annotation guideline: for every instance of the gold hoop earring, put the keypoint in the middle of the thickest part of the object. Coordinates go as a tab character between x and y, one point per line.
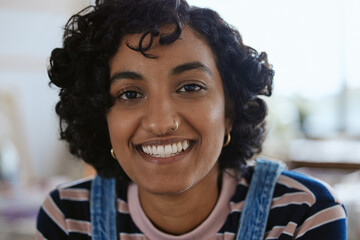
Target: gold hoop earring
176	127
112	153
228	139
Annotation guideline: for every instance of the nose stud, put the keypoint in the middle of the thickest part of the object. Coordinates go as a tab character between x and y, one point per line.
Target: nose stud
176	127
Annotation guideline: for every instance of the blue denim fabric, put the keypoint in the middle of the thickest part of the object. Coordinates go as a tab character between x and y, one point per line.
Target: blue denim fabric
103	209
254	216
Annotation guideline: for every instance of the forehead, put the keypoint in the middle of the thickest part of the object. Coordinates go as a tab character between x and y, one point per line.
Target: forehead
189	47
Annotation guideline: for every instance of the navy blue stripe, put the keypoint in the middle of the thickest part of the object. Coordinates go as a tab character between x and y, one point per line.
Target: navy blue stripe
281	189
48	228
279	216
231	223
78	210
240	194
125	224
332	231
82	185
319	190
79	236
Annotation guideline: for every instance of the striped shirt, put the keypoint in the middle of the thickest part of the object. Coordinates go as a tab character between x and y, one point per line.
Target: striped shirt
302	208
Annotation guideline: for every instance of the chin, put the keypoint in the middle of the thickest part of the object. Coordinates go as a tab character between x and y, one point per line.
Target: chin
167	189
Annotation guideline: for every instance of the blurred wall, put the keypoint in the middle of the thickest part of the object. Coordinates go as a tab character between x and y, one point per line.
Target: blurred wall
29	31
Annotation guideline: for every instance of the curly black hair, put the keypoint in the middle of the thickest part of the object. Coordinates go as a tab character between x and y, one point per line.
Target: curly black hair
81	70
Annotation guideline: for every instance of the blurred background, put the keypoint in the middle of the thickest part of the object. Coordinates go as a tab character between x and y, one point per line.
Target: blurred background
314	113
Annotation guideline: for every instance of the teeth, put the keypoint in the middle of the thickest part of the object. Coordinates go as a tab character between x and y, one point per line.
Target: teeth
174	148
179	146
160	150
150	149
185	145
167	150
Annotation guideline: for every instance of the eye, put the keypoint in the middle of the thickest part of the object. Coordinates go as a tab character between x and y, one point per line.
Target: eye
191	88
129	95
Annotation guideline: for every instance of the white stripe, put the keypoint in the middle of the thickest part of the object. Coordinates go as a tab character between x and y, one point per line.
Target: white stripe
132	234
239	208
74	183
228	233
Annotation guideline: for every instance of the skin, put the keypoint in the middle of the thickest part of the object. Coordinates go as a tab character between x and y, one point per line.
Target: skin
183	85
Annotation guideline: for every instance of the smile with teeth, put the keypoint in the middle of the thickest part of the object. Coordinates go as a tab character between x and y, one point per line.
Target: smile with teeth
168	150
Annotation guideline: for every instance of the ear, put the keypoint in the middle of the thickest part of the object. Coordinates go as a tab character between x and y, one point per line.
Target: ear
228	124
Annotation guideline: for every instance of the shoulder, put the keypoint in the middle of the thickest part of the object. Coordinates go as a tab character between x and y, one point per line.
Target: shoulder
75	191
306	207
304	187
66	210
302	207
66	195
292	186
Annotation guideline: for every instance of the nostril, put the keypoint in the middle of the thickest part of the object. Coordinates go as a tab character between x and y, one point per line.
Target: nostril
160	125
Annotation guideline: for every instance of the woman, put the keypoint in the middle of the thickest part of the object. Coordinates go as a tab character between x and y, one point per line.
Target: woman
162	99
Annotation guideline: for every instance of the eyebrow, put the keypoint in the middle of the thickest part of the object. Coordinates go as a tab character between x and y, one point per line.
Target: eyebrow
126	75
175	71
190	66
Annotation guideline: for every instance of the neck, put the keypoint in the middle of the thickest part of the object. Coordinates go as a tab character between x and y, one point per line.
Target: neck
180	213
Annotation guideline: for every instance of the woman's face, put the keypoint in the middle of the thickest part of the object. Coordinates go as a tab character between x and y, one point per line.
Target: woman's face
182	85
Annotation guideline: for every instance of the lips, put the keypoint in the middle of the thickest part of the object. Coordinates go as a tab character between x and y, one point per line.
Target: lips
166	150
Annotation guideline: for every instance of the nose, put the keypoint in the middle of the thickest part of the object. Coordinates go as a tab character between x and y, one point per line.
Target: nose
161	116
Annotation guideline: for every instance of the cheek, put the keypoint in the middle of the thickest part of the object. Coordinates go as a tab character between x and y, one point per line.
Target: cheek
119	128
113	128
211	124
216	112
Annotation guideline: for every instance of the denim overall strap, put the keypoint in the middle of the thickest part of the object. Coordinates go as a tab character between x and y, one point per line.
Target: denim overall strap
258	200
102	208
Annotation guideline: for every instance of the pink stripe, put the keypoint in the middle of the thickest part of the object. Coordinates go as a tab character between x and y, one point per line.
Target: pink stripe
237	207
323	217
276	231
39	236
291	183
54	213
74	194
122	206
134	236
79	226
329	188
224	236
292	198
